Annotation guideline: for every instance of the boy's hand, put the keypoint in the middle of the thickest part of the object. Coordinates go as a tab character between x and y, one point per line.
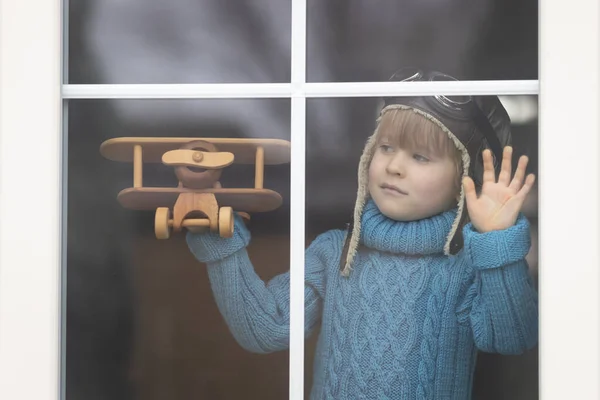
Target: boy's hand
499	204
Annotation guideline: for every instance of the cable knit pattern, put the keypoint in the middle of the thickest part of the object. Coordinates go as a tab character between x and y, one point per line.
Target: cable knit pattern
406	324
431	332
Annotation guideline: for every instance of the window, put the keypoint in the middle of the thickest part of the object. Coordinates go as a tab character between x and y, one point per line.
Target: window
34	109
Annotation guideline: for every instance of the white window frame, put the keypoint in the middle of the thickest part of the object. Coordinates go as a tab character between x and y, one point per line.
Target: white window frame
32	242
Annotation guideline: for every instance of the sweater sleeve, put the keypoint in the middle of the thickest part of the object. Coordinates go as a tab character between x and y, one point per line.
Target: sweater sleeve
258	313
504	302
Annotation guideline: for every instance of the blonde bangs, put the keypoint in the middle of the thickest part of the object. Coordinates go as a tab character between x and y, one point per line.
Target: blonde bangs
409	130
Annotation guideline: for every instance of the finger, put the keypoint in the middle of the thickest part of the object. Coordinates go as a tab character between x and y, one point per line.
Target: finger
506	171
519	174
469	188
522	194
526	187
488	167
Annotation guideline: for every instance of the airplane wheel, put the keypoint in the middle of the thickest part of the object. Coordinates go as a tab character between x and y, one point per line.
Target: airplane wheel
161	223
226	222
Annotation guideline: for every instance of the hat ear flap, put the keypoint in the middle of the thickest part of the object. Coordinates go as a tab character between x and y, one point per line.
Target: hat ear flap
353	236
494	125
498	117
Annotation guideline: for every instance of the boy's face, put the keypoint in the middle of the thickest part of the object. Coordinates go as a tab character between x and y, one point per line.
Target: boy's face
411	184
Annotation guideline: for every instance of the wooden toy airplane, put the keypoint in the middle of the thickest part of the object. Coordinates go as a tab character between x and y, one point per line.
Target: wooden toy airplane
198	203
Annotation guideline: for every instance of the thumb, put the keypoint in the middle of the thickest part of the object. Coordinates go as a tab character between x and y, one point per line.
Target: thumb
469	187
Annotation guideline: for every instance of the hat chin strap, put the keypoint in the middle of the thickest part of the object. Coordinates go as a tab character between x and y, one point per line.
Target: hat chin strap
353	234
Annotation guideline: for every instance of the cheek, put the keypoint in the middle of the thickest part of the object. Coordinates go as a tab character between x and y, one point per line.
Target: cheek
429	188
373	168
434	185
447	187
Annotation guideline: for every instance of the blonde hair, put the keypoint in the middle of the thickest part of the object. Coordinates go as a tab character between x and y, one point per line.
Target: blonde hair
410	130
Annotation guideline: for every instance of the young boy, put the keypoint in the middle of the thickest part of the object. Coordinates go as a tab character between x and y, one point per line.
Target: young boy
420	289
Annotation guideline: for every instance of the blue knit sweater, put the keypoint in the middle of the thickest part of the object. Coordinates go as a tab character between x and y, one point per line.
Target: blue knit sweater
407	322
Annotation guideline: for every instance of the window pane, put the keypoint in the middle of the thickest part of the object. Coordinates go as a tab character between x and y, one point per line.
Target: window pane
207	41
364	41
362	326
142	320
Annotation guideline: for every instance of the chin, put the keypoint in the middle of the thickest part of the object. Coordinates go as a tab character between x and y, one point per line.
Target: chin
402	215
397	215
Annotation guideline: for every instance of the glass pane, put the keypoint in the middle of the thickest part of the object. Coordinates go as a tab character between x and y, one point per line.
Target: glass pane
143	321
381	325
364	41
207	41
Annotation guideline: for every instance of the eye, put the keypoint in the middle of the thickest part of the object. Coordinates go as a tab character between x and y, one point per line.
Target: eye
420	157
386	148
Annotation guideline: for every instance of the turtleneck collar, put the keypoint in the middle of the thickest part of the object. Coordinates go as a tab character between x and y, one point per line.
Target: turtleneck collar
421	237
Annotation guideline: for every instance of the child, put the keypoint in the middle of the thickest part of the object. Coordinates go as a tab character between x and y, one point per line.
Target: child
420	289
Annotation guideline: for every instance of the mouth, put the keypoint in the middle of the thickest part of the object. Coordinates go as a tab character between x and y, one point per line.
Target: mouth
393	189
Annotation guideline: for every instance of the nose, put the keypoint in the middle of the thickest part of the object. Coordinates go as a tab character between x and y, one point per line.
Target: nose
397	164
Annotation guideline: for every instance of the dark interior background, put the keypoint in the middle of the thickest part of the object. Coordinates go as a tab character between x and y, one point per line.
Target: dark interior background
141	321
